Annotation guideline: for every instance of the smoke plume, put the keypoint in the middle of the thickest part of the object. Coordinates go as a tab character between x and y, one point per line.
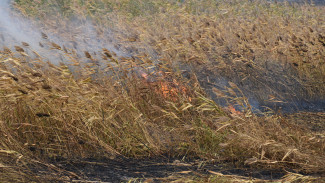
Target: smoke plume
76	35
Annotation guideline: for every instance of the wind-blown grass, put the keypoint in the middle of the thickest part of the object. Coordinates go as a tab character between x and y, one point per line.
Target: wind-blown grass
73	110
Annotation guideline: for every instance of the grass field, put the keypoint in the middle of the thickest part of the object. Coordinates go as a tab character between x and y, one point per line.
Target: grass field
174	79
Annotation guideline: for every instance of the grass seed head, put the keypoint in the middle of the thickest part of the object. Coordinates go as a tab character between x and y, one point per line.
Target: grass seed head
19	49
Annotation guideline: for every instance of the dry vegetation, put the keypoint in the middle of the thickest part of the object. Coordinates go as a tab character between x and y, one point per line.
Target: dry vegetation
78	109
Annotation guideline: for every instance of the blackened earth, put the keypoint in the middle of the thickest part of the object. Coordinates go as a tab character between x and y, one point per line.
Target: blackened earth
157	170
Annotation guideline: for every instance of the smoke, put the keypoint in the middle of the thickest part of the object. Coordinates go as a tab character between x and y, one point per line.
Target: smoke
12	29
76	36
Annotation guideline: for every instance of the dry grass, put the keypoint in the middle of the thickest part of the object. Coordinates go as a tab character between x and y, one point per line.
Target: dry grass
243	48
78	109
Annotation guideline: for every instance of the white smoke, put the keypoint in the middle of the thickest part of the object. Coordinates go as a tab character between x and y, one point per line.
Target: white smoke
13	30
80	36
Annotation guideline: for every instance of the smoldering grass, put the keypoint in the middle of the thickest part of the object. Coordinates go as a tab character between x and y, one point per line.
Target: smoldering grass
75	110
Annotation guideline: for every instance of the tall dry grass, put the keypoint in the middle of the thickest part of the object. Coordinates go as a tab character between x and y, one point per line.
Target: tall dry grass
76	110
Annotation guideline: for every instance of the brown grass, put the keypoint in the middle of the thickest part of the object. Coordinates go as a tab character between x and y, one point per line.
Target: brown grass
78	109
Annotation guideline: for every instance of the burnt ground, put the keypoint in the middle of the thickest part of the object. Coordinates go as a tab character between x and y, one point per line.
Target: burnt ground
315	121
156	170
163	169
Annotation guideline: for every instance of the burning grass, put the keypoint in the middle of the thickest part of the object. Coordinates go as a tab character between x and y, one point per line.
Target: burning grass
101	104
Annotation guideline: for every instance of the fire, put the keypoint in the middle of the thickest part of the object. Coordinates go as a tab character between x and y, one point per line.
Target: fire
233	110
168	90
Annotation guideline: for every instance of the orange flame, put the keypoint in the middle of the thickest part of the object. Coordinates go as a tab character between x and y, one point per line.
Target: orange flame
169	90
233	110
